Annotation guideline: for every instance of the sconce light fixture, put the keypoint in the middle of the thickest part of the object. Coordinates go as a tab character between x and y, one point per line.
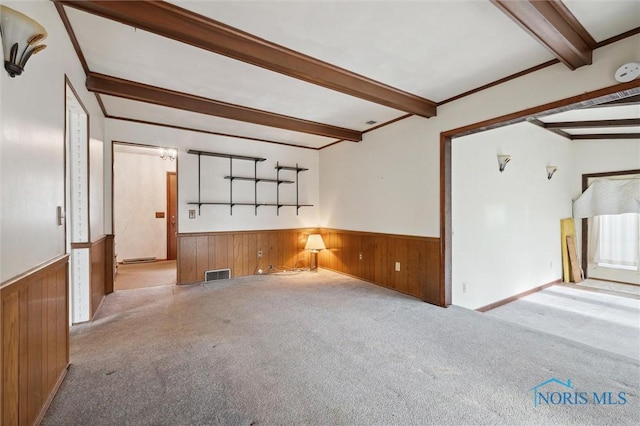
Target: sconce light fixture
20	38
503	159
550	171
169	153
315	244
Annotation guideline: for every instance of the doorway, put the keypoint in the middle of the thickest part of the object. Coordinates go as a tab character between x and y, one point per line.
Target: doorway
144	215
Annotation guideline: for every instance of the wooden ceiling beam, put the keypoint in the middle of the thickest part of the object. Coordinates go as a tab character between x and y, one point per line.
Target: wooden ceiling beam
627	122
543	126
631	100
552	24
171	21
107	85
603	136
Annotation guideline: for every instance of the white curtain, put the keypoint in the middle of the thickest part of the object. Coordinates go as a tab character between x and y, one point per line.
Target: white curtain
615	240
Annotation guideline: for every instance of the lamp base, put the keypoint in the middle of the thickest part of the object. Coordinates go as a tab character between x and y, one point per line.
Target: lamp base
313	263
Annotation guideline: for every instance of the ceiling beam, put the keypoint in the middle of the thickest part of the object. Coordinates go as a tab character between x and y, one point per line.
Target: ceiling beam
606	136
179	24
107	85
552	24
627	122
543	125
631	100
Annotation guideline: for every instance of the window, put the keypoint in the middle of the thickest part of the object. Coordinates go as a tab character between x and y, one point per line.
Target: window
617	241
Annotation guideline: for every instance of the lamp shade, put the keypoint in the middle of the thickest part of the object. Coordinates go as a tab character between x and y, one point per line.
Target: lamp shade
20	38
315	242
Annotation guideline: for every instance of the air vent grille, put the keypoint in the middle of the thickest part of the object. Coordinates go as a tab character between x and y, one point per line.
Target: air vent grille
217	274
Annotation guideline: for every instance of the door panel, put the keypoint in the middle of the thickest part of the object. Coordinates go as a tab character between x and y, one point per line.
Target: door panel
172	215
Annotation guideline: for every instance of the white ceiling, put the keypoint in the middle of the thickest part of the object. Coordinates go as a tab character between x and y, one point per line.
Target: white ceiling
434	49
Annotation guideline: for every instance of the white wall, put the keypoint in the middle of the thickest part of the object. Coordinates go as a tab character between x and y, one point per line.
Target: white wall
216	188
506	226
140	190
32	146
386	183
401	161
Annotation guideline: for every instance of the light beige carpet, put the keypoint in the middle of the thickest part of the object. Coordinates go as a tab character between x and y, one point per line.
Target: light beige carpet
142	275
324	349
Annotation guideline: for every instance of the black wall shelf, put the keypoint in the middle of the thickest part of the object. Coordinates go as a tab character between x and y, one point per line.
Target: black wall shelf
258	179
254	179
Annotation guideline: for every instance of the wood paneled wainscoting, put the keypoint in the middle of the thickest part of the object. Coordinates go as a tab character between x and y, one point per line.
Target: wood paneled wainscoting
368	256
238	251
34	330
98	274
372	257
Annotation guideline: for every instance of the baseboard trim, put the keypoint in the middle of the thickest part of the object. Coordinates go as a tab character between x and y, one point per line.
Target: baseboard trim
372	282
52	395
517	296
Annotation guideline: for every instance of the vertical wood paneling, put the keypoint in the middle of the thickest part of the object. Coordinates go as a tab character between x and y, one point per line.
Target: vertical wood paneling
238	261
239	252
10	357
187	260
109	264
432	275
250	253
23	357
52	320
418	256
35	341
97	253
202	256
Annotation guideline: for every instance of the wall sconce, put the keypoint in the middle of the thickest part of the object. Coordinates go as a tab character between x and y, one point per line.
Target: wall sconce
503	160
315	244
550	171
171	154
20	38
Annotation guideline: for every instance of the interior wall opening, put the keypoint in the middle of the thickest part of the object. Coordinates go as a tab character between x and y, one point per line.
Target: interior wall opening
145	215
608	96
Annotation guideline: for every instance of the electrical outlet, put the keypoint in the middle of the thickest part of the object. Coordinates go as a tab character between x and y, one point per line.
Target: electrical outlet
259	254
192	214
397	266
551	265
464	287
360	256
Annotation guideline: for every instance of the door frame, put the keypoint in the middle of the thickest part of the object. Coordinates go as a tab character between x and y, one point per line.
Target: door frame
168	218
112	195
